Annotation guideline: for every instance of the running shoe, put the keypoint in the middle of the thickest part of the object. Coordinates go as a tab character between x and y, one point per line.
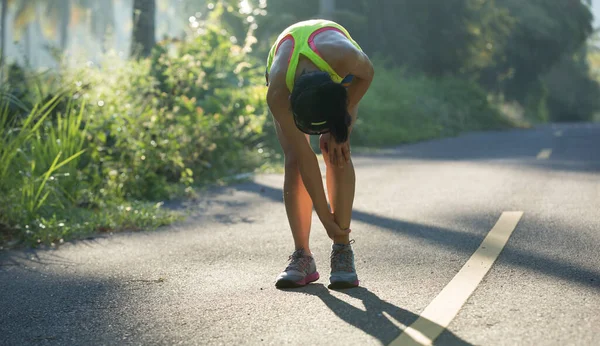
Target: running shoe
301	271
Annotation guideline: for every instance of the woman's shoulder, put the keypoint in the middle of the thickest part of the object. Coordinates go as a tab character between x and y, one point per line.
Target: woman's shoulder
339	53
277	92
278	69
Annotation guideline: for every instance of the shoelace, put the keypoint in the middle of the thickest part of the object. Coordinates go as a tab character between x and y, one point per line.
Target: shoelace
298	261
341	259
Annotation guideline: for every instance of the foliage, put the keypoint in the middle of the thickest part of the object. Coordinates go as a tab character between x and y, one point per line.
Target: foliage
507	46
97	147
574	93
194	112
131	131
401	107
434	37
42	181
144	33
279	15
544	32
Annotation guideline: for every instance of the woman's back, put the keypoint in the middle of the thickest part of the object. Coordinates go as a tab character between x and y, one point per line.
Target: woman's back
315	43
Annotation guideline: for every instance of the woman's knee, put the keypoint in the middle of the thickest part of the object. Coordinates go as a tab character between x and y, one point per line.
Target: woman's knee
323	143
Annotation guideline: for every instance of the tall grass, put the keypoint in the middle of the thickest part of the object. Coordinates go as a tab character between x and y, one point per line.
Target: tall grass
29	163
43	178
15	135
63	138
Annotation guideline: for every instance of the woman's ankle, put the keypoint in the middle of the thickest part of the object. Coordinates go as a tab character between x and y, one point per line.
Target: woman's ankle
344	240
305	248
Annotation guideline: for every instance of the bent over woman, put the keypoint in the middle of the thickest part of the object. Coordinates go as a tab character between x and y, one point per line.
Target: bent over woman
316	76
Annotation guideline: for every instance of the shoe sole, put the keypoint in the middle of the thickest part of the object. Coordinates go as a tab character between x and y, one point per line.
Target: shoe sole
343	284
295	284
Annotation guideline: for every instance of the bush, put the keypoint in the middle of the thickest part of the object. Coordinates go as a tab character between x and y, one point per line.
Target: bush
127	134
402	108
42	180
573	94
194	112
122	136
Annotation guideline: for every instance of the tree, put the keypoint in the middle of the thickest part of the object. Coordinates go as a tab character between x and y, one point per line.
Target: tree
102	20
543	35
432	36
143	39
57	16
64	7
100	16
573	95
3	16
24	16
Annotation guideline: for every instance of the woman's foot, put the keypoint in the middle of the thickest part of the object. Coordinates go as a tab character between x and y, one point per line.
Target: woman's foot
301	271
343	272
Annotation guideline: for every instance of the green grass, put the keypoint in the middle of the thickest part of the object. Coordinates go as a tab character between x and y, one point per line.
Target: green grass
99	156
43	181
127	134
400	108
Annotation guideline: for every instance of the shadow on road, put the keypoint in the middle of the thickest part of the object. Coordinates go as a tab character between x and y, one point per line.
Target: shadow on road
459	241
375	319
51	310
573	144
31	258
572	151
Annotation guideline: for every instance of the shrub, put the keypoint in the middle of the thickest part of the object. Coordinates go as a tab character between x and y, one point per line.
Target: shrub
401	108
194	112
42	179
124	135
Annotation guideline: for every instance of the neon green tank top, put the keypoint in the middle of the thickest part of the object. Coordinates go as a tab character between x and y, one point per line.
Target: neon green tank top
302	34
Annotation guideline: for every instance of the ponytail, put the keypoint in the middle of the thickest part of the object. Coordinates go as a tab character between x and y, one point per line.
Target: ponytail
339	120
338	127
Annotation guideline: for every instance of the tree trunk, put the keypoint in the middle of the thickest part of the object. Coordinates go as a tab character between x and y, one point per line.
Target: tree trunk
65	20
326	9
109	25
27	44
143	39
3	16
103	23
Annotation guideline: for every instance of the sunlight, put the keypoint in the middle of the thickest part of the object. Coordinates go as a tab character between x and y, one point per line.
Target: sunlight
245	7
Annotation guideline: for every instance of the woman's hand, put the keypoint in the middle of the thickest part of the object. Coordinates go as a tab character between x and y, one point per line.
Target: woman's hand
337	153
333	229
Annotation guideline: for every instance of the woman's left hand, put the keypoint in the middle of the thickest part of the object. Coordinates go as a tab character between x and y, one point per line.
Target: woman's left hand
337	153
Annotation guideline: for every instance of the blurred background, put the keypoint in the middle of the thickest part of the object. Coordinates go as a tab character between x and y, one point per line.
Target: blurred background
517	48
121	104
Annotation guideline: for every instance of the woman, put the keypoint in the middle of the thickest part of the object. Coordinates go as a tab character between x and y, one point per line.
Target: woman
316	76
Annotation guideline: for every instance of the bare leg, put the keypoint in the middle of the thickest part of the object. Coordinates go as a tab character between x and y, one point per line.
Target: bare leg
298	204
340	188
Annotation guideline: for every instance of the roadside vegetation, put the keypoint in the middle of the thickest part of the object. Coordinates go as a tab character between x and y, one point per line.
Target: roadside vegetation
99	147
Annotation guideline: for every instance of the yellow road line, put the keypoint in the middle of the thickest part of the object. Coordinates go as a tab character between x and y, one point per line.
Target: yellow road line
441	311
544	154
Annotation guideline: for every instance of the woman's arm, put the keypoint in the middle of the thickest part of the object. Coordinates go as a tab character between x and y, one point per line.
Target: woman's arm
307	159
356	63
361	67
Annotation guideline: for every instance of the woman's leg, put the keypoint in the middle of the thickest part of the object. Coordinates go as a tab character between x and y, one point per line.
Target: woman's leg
340	188
298	204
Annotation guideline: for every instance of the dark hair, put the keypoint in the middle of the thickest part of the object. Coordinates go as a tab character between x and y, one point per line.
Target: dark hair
320	105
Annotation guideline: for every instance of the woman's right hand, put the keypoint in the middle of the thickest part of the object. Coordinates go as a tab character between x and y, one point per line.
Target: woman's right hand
337	154
333	229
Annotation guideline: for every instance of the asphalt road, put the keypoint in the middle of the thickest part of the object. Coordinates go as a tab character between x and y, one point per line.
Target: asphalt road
421	211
